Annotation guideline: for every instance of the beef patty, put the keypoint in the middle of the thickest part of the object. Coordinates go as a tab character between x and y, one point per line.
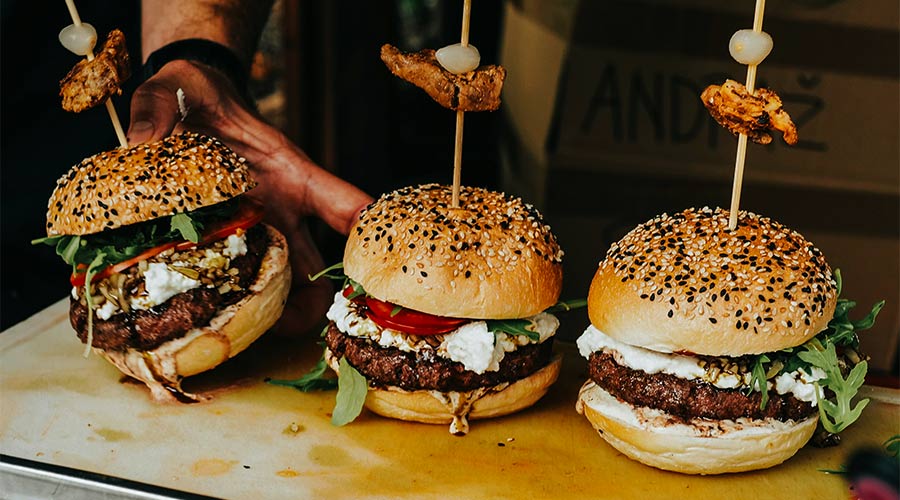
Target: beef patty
148	329
384	366
687	399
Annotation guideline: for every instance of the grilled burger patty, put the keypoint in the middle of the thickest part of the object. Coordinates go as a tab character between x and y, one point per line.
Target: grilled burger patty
687	399
389	366
147	329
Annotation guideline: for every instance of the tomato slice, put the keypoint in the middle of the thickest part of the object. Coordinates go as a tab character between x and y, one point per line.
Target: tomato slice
387	315
249	214
77	279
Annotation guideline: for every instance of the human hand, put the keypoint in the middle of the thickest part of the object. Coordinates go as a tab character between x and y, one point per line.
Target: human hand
291	186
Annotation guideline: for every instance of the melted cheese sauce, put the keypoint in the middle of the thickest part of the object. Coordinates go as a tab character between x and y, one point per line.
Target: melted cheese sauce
798	382
472	344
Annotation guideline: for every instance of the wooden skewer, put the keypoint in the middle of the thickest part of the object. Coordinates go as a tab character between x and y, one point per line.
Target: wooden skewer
460	115
742	138
113	116
457	158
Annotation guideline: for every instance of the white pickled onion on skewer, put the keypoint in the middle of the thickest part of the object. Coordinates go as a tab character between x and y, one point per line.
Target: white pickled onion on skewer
458	59
80	39
750	47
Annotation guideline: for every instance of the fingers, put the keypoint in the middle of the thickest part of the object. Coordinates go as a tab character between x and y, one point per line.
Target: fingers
154	110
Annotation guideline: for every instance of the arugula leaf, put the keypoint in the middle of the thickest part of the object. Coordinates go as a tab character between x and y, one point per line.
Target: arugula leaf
758	380
523	326
568	305
892	445
396	310
120	244
186	226
92	269
327	273
314	380
514	327
351	395
836	415
68	249
357	289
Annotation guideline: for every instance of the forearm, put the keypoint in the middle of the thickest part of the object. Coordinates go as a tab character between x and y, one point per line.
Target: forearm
234	23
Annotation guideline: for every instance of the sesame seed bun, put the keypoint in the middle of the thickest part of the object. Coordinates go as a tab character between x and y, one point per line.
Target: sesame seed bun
685	283
491	258
116	188
433	407
700	447
229	332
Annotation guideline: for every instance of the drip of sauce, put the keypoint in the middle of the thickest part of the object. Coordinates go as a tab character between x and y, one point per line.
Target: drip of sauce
459	404
158	370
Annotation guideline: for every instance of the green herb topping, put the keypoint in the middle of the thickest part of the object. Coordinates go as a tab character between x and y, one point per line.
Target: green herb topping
834	352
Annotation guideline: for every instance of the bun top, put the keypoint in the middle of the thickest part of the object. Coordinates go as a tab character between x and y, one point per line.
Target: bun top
116	188
685	283
492	258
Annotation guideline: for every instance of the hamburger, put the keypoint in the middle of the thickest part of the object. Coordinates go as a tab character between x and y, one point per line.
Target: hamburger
446	313
172	270
710	350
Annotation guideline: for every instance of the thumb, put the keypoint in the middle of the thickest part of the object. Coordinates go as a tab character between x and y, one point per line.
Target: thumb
154	111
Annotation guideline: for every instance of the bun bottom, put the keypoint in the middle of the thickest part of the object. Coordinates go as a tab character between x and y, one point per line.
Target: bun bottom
705	447
228	333
456	408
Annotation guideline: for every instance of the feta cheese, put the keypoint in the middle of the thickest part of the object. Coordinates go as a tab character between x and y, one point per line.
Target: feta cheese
638	358
800	384
162	284
235	246
473	346
107	310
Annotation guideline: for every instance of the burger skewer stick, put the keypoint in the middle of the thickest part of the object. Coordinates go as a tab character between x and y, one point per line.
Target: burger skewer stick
460	115
742	138
113	116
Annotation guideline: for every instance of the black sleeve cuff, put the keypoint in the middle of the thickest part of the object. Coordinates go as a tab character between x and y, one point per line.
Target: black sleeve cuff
206	52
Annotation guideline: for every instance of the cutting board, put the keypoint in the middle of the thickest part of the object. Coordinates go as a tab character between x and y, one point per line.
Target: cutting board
255	440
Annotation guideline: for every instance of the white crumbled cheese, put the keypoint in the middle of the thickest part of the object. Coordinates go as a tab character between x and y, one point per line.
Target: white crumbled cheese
800	384
471	344
546	325
391	338
235	246
688	367
638	358
107	310
347	320
162	284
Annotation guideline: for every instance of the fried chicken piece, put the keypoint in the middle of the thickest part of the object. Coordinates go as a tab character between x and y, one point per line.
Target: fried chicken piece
476	90
92	82
753	115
